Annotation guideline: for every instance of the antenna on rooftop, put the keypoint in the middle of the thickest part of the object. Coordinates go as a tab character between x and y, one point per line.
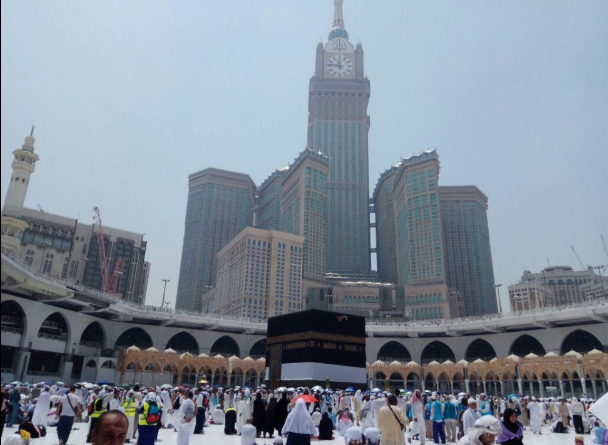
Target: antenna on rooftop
548	263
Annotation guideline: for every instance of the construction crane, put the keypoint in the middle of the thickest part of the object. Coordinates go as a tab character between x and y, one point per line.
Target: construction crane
114	280
605	250
102	249
109	282
577	257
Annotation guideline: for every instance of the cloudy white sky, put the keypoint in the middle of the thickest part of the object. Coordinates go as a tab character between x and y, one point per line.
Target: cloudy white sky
129	98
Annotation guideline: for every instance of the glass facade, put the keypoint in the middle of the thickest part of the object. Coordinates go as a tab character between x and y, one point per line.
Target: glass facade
420	255
220	205
304	209
338	128
467	248
386	237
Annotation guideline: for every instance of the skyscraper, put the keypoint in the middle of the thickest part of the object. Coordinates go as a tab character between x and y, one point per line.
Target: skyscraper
386	237
304	209
420	255
220	205
338	127
269	201
466	237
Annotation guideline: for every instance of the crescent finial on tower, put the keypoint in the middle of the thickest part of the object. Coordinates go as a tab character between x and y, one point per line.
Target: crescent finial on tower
32	131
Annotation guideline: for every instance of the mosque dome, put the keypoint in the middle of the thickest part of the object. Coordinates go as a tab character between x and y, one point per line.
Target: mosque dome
338	31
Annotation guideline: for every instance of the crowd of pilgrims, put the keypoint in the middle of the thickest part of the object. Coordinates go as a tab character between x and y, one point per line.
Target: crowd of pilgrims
296	415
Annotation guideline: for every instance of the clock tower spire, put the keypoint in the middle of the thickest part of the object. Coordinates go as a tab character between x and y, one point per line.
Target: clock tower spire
338	16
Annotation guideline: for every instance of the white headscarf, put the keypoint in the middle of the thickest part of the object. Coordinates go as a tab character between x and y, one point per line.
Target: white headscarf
485	424
299	420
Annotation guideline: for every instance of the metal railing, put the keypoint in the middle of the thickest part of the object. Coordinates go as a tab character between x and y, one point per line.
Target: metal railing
91	344
44	374
11	329
62	337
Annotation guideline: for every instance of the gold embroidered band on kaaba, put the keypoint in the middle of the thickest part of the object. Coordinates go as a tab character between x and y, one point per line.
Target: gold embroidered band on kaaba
311	335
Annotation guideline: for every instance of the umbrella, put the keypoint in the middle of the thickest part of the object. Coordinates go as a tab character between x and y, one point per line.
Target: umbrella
317	388
281	389
291	389
59	383
600	408
203	382
351	389
166	386
307	398
101	382
512	396
15	383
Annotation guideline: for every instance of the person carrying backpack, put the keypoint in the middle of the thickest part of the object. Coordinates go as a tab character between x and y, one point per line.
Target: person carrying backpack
187	422
149	416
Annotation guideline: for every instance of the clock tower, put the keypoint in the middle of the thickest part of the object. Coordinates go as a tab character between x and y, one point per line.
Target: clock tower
338	125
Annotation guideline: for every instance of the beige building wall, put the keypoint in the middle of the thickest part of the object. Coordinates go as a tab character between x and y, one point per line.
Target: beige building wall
429	302
554	286
259	275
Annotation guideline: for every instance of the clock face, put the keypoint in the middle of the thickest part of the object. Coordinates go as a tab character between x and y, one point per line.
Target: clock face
339	65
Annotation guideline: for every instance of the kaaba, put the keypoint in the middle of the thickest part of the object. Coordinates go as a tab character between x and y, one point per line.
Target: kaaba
309	347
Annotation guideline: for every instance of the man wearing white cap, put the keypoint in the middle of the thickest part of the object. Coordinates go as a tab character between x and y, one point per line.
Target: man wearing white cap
483	432
535	419
470	416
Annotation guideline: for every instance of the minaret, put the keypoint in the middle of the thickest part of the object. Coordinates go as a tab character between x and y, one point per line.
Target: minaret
23	167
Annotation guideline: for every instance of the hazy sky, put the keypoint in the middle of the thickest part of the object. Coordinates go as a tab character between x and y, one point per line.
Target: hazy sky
130	97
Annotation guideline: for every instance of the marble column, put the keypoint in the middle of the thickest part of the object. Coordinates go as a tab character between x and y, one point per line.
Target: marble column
594	386
561	388
584	385
531	388
520	387
502	388
466	385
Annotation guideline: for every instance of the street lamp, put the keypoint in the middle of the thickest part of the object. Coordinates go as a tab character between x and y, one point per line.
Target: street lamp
599	269
164	289
497	286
